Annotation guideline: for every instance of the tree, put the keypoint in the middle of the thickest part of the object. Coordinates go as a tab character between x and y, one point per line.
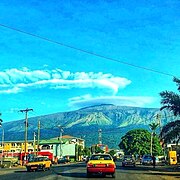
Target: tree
86	151
153	126
98	149
112	152
79	152
171	132
138	141
171	100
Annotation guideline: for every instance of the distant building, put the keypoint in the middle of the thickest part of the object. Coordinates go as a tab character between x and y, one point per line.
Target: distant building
64	147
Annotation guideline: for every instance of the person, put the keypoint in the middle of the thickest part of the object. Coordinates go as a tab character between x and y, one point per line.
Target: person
55	160
154	161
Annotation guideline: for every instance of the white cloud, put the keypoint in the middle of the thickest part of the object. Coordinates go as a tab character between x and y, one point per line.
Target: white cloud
87	100
17	80
12	90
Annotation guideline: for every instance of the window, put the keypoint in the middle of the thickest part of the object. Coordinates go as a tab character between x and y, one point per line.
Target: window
13	144
45	146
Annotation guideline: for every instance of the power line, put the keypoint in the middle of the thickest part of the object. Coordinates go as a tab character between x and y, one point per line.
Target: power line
86	51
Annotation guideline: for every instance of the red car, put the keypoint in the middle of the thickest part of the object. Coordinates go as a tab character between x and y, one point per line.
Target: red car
101	164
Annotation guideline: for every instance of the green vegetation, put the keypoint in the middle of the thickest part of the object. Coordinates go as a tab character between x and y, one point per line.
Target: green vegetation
96	149
171	101
171	132
138	141
153	127
112	153
86	151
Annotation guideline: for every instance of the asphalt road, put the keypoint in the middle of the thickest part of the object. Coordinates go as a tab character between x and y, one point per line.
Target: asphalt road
78	172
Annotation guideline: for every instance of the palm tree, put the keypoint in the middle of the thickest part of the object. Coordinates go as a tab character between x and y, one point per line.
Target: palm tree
153	126
171	132
171	100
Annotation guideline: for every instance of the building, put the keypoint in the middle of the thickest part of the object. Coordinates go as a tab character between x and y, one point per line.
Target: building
66	146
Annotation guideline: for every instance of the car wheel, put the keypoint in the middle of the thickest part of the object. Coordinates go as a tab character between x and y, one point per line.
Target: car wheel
44	169
28	169
88	174
113	175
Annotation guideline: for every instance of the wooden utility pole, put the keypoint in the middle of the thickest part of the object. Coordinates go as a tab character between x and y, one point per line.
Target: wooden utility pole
38	138
2	143
26	128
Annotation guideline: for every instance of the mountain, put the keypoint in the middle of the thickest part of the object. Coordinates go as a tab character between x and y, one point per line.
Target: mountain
114	121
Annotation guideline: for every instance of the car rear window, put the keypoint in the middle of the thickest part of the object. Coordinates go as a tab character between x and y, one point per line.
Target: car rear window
101	157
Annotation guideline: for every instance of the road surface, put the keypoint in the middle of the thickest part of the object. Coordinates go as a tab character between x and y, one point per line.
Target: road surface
77	171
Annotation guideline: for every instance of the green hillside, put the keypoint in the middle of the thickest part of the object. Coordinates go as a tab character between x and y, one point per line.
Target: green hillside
114	121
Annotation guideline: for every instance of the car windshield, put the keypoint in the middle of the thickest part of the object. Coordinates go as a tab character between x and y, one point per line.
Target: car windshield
147	157
101	157
38	159
128	157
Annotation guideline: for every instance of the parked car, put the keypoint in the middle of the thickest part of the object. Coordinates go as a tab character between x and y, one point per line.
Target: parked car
38	163
147	160
63	160
101	164
128	160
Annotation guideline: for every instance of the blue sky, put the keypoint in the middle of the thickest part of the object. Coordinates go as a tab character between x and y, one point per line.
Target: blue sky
51	78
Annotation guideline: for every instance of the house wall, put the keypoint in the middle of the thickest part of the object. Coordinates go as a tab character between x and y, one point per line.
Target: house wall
67	150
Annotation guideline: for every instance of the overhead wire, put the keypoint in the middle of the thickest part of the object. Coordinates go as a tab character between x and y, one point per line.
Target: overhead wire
85	51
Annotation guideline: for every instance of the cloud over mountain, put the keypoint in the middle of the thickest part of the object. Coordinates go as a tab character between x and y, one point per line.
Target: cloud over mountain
88	100
17	80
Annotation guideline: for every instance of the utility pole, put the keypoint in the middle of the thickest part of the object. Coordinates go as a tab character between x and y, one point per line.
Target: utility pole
60	138
158	118
34	143
38	138
26	129
2	154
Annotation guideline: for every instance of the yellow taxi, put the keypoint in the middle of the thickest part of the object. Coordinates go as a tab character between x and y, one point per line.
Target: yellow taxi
39	163
101	164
